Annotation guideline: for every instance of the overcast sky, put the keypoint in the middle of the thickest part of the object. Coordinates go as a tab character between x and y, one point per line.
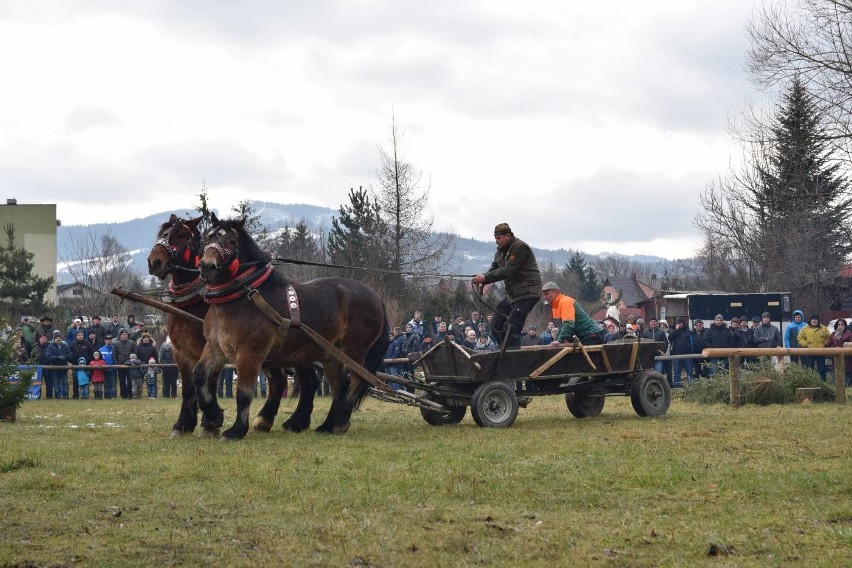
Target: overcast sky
586	125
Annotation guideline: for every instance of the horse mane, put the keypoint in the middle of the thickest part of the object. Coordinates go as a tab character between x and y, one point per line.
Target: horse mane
249	250
165	226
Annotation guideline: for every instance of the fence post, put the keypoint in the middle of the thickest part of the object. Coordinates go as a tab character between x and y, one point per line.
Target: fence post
736	385
840	379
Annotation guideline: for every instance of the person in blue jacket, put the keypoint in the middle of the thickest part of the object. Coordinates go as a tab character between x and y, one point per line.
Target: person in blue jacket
791	334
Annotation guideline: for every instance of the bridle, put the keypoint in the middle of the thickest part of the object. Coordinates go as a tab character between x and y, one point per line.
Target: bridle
184	254
227	257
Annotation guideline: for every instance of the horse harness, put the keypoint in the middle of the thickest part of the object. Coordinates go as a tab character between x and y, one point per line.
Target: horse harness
247	284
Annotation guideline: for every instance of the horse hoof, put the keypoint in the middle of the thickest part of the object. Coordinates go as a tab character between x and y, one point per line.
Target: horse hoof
208	433
293	427
228	439
341	429
261	425
177	434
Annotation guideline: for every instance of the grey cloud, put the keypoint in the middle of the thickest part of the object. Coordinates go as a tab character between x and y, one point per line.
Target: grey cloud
635	206
87	117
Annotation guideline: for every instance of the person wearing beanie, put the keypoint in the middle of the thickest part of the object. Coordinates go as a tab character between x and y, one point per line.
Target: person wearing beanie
515	265
719	336
766	335
814	335
791	334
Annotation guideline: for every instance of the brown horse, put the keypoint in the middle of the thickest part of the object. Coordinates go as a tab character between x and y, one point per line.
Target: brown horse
175	254
347	313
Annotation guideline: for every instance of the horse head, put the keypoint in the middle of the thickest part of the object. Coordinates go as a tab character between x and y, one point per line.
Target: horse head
220	258
177	246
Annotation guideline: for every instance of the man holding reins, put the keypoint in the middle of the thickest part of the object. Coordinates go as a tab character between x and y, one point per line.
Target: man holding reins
515	264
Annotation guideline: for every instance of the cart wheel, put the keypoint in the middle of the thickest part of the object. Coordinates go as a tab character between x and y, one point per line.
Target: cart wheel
494	405
583	405
435	418
650	394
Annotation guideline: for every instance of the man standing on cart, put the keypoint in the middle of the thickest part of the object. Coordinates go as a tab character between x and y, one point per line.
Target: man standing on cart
575	320
515	264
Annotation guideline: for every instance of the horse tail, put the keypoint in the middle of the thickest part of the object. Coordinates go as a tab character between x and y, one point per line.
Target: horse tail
375	355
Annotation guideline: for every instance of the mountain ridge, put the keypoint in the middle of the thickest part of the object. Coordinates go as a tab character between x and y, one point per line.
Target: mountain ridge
137	236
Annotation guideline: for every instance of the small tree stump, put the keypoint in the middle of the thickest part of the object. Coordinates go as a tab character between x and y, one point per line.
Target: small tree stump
807	393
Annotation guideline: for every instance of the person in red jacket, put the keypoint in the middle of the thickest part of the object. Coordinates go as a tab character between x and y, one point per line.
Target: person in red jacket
97	374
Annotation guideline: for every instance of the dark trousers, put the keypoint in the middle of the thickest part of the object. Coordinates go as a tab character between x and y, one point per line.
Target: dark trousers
226	379
60	384
109	383
47	383
511	315
170	375
124	386
815	362
75	388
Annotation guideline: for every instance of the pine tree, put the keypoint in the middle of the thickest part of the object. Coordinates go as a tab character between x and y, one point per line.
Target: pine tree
583	277
779	223
806	200
358	236
20	289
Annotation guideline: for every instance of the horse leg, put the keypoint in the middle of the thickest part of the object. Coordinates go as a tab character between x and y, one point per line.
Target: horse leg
338	380
204	377
246	382
308	381
348	403
266	417
188	417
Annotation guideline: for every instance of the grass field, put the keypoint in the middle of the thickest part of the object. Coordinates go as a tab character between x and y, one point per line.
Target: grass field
99	483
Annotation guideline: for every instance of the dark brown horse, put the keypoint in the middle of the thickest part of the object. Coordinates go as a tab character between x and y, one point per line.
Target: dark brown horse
347	313
176	253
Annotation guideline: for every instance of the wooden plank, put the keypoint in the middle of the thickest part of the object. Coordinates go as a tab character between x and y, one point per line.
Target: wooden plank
552	361
633	352
605	359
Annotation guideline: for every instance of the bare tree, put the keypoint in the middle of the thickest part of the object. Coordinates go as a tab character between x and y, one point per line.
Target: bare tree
100	264
810	41
403	203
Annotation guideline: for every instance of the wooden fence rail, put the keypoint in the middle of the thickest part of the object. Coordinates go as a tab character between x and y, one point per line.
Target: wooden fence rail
733	355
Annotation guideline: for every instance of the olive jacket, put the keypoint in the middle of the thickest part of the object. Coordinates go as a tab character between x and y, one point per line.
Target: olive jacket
515	264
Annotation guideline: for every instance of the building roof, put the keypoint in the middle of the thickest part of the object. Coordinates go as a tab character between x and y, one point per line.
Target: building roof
632	291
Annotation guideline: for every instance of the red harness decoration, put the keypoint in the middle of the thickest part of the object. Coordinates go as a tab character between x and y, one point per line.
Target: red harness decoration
253	277
185	294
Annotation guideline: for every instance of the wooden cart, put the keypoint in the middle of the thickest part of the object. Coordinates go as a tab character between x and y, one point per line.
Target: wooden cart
495	384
